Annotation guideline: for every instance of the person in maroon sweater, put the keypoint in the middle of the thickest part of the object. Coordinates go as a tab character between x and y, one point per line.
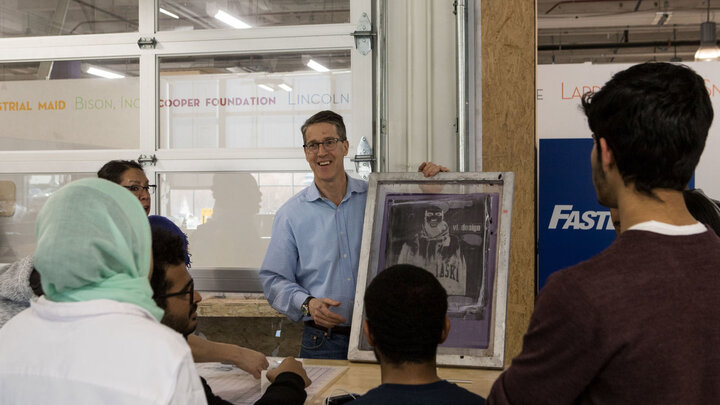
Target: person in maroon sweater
640	322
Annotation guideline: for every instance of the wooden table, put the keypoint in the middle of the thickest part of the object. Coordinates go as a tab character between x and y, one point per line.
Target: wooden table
361	377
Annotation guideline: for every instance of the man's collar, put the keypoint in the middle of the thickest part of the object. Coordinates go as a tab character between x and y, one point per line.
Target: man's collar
353	186
669	229
312	192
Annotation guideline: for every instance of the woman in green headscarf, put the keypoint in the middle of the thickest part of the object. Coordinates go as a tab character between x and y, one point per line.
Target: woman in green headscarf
95	336
93	242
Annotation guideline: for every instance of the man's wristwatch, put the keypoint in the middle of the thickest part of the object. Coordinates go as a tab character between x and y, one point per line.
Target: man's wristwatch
305	307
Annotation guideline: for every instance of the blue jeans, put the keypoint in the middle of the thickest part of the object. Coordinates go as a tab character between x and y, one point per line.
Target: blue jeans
317	344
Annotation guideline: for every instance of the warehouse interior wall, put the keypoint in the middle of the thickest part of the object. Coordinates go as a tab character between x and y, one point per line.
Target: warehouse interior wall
422	112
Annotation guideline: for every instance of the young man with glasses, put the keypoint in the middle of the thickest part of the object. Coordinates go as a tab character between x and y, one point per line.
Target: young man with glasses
174	292
311	265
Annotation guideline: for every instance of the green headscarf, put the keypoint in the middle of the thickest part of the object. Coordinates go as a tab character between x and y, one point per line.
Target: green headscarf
93	242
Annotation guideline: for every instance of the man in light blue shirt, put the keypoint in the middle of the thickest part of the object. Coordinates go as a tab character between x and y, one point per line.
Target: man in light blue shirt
311	264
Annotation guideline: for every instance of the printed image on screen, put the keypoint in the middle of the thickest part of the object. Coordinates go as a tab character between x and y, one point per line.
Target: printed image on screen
454	237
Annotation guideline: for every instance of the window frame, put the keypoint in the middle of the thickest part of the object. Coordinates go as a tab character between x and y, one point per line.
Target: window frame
190	43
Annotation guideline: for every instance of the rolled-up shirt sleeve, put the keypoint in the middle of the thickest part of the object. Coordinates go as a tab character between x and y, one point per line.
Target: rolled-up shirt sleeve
279	269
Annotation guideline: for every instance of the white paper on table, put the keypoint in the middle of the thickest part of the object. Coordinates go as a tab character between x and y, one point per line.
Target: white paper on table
235	385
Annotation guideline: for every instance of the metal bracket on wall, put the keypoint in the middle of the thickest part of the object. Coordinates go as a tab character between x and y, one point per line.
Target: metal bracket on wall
363	35
146	160
364	159
147	43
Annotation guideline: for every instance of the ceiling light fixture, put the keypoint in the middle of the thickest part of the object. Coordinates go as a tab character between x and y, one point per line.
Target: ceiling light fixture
231	20
266	87
105	73
167	13
708	49
285	87
236	69
661	18
316	66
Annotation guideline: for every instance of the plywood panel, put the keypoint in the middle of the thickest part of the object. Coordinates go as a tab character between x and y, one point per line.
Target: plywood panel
508	140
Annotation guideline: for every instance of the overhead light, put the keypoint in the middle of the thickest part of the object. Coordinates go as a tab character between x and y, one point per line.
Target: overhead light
106	73
236	69
231	20
316	66
708	49
162	10
285	87
708	44
661	18
266	87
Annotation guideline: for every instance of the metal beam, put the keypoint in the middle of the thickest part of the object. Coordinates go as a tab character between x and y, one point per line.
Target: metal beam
56	26
613	45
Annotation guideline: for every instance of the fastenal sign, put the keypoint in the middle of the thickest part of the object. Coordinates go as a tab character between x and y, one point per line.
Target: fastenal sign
574	219
573	226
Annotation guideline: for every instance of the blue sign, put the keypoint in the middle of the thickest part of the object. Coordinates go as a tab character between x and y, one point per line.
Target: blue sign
572	225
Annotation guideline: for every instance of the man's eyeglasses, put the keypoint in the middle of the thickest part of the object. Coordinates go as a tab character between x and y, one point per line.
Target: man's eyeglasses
137	189
188	289
329	144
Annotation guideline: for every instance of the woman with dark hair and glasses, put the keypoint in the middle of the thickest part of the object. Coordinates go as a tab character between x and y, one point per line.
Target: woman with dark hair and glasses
129	174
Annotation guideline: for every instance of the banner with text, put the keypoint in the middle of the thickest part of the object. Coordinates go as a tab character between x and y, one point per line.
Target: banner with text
248	111
196	111
69	114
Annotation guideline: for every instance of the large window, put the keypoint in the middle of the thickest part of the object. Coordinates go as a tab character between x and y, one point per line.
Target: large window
21	197
213	108
70	105
227	215
243	14
34	18
249	100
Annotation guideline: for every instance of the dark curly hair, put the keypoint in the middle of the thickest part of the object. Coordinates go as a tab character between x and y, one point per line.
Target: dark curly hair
168	250
406	308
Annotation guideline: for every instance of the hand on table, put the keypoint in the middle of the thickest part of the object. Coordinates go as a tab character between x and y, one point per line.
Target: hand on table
204	350
321	313
291	365
249	360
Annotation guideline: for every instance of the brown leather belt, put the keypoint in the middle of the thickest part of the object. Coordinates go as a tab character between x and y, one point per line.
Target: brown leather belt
340	330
